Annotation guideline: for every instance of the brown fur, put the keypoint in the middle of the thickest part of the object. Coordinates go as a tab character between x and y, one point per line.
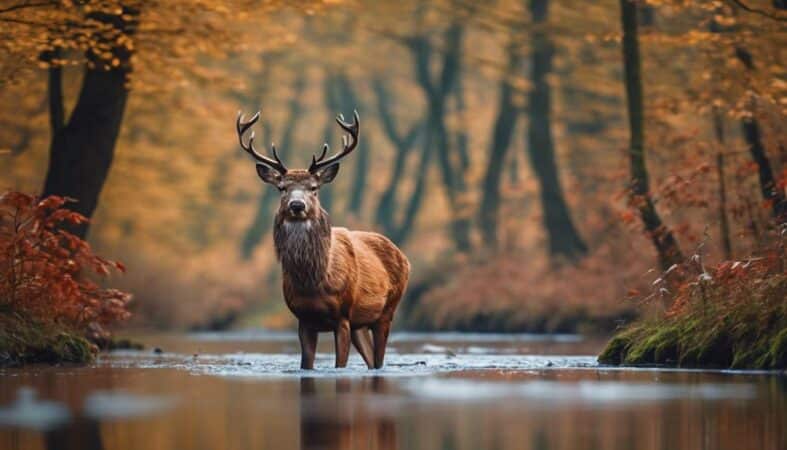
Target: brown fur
335	279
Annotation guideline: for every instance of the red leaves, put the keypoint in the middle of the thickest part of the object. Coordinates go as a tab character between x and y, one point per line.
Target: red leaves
627	216
45	272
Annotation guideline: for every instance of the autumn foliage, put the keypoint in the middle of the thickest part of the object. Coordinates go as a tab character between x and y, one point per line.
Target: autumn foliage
48	275
731	314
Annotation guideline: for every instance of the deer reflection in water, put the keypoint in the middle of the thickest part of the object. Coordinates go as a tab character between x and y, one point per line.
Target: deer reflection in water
83	434
340	418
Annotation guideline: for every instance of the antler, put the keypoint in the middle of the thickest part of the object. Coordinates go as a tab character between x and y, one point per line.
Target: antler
349	140
242	127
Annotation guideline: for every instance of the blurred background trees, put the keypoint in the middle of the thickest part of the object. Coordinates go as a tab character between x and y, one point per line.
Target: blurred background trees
517	150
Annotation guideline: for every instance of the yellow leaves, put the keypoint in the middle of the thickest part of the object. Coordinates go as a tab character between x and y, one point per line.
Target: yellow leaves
724	21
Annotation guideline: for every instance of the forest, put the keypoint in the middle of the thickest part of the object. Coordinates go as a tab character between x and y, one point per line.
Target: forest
548	166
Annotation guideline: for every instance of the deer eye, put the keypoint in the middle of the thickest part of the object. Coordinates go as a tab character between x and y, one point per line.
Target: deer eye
313	188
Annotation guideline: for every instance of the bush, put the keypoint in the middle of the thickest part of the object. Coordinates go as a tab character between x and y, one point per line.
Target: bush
512	292
733	315
48	287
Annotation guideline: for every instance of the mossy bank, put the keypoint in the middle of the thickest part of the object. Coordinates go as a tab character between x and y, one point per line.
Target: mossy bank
726	327
26	342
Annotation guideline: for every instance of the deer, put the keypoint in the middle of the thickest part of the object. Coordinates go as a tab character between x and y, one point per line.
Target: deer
333	279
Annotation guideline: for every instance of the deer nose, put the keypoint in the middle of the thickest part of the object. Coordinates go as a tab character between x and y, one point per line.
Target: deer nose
297	206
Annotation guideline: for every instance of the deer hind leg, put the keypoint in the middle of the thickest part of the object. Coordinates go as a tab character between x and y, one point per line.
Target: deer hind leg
380	331
342	339
308	338
363	343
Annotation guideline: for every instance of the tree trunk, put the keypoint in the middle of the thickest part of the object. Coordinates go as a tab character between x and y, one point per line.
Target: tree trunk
724	226
82	150
333	106
400	234
358	187
667	247
770	190
461	139
57	115
751	134
436	93
452	182
505	123
348	102
564	240
386	207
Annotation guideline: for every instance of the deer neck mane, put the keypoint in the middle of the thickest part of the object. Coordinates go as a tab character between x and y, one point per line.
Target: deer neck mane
303	247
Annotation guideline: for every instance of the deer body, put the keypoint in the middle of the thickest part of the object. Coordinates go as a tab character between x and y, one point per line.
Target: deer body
334	279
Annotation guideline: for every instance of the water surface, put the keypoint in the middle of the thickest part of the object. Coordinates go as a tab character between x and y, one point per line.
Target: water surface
244	390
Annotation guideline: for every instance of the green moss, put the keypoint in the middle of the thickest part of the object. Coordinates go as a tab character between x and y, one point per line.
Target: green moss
615	351
778	351
657	347
710	349
753	354
687	344
738	323
24	341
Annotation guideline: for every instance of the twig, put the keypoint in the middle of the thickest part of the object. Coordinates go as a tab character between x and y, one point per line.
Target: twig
25	5
748	8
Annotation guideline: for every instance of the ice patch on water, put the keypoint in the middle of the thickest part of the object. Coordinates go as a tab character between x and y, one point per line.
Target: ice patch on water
438	349
27	412
557	393
121	405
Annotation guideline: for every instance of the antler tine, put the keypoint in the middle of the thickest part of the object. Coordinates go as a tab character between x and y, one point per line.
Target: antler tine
316	159
276	155
241	127
349	141
325	148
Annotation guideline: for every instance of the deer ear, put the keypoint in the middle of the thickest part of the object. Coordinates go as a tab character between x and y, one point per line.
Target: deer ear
267	174
327	174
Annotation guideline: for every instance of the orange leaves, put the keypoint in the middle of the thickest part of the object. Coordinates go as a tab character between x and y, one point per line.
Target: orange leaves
781	183
45	272
628	217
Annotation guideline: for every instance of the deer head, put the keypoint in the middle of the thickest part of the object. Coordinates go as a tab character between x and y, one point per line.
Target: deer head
299	187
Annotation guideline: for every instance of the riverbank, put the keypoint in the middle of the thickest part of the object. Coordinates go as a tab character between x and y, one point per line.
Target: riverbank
54	307
734	316
25	341
514	294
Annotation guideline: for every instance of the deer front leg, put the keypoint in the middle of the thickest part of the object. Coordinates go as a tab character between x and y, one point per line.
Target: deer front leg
342	339
308	338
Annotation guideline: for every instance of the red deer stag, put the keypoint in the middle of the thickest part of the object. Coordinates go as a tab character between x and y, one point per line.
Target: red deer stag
334	279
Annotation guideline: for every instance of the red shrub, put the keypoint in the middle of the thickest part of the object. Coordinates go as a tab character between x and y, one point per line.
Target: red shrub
47	273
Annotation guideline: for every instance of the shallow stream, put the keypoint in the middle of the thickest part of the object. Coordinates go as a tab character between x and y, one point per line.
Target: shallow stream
243	390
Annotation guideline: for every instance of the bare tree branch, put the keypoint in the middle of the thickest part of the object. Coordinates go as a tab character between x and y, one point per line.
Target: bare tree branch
748	8
24	5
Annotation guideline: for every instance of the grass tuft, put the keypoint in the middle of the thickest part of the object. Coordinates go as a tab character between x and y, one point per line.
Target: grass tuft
735	316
